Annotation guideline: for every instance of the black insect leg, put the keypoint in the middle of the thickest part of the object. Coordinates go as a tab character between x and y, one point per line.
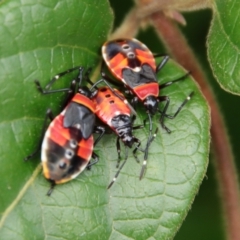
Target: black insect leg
156	55
87	78
59	75
163	113
138	142
119	170
41	90
162	63
70	94
138	127
150	126
144	166
134	102
181	106
149	141
53	184
118	151
96	159
101	131
161	86
49	115
44	92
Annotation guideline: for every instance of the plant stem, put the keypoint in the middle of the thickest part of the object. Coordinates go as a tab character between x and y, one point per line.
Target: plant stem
129	26
225	167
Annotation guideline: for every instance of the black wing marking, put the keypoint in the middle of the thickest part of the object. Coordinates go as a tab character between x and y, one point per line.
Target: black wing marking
134	79
78	114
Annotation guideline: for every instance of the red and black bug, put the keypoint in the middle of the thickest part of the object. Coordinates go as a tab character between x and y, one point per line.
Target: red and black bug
116	114
131	62
67	145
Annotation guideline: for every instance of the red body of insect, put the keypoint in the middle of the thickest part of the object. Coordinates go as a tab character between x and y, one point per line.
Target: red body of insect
115	113
68	143
133	63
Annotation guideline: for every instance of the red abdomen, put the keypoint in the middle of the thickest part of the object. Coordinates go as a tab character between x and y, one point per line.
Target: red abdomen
126	53
57	144
108	105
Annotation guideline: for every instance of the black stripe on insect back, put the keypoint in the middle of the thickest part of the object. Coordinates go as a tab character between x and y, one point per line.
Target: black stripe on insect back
115	47
79	115
54	152
133	62
134	79
58	168
112	49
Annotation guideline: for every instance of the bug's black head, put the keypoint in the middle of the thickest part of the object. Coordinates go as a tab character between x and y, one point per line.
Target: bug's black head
123	127
151	104
128	139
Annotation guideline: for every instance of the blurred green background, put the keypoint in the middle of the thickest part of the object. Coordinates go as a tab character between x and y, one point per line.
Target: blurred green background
204	220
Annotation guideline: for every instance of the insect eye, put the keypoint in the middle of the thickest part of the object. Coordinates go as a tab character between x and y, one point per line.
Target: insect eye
73	143
69	154
62	165
131	55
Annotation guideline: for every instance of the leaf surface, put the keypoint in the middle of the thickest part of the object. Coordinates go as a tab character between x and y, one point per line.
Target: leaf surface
223	45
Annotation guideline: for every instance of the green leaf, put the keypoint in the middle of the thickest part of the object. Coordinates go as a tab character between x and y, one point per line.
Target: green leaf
223	45
41	40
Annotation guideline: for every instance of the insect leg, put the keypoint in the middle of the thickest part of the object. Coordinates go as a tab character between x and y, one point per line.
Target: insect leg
41	90
181	106
136	140
101	131
96	159
162	63
53	184
161	86
116	175
118	151
144	165
59	75
163	112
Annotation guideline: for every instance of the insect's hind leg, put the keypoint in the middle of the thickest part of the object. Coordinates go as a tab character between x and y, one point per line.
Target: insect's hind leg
163	112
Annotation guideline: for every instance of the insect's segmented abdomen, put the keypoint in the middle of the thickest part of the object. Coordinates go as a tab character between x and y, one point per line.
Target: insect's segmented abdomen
126	53
108	105
65	154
